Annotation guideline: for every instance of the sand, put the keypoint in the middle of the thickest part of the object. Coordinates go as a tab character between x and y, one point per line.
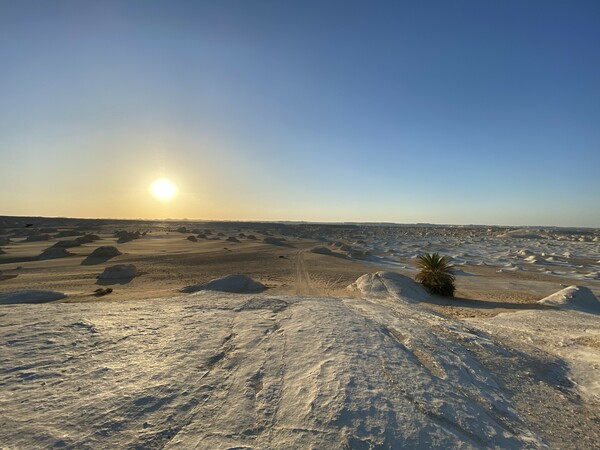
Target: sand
306	362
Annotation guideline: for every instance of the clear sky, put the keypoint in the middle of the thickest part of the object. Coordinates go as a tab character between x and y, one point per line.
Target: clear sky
443	111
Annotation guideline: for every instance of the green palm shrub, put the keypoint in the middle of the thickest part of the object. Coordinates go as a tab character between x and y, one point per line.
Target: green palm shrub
435	273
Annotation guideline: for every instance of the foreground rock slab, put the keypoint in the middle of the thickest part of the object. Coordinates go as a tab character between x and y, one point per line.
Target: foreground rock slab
214	370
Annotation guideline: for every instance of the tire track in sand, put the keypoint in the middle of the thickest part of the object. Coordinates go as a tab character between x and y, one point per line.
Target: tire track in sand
303	283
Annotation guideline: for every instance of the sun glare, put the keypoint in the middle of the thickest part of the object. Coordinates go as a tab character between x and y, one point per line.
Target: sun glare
163	189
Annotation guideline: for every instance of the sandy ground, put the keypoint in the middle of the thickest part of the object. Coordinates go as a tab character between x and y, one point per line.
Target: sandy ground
307	364
167	261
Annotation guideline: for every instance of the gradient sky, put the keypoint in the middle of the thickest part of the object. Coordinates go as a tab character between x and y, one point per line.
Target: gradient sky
460	112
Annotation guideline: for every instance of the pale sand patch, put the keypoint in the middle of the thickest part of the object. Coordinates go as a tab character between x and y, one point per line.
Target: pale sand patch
169	263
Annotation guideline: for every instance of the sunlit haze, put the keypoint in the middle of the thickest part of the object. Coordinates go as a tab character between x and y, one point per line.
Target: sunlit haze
163	189
435	111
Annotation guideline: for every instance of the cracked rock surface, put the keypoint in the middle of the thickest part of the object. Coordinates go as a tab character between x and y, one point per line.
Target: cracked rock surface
220	371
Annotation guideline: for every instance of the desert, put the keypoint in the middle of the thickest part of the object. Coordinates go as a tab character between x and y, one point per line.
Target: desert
265	343
299	225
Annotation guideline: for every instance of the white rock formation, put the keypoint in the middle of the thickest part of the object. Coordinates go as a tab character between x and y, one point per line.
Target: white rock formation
386	284
119	271
231	283
578	298
30	296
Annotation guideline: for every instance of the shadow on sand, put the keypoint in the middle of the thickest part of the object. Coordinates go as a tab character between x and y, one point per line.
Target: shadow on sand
93	260
7	259
111	281
278	242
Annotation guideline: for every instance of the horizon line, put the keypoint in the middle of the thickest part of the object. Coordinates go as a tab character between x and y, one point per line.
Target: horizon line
309	222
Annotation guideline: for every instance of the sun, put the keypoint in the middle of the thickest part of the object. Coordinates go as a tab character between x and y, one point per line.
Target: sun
163	189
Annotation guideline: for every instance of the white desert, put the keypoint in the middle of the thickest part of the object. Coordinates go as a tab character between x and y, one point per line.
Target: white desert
299	225
163	342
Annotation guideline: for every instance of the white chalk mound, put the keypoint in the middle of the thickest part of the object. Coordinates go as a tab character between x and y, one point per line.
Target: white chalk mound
231	283
119	271
578	298
54	252
29	296
522	233
386	284
105	251
326	251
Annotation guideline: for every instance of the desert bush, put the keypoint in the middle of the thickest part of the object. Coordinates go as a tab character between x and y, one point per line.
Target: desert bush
435	273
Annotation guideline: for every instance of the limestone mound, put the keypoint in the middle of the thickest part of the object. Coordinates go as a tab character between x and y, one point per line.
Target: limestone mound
67	243
67	233
522	233
87	239
326	251
37	238
578	298
118	272
276	241
390	284
29	296
54	252
231	283
106	251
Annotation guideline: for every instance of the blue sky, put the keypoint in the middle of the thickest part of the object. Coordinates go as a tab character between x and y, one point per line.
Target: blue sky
444	112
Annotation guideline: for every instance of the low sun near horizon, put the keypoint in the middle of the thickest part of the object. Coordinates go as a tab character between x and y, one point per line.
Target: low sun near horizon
163	189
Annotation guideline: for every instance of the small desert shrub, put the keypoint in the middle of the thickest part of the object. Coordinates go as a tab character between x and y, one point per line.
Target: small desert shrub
435	273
